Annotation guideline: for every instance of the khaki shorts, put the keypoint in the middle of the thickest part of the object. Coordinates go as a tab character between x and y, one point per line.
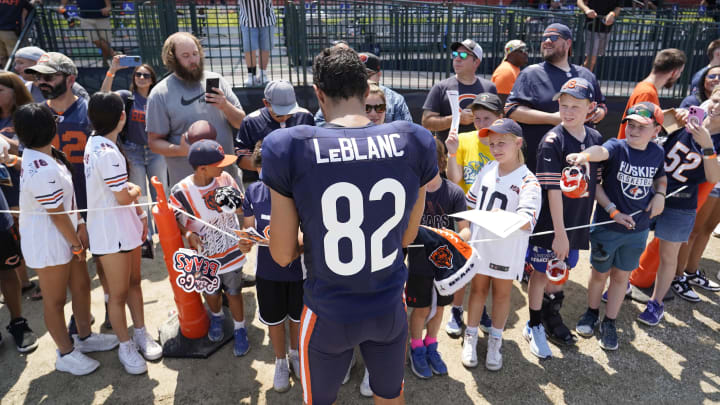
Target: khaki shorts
96	28
7	43
596	42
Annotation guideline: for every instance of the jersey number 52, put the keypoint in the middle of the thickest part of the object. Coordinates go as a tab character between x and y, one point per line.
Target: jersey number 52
350	229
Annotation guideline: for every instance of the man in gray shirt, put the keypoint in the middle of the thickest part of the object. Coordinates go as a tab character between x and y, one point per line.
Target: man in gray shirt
180	99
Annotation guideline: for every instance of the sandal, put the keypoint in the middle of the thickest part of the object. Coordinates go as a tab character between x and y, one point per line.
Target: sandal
28	287
36	295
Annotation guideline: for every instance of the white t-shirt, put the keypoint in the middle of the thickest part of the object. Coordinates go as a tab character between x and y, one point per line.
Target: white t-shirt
518	192
44	184
114	230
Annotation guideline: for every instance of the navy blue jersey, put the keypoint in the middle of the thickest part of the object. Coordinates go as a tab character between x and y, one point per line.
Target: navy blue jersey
446	200
12	193
554	148
535	88
627	177
354	189
6	220
684	167
73	130
257	204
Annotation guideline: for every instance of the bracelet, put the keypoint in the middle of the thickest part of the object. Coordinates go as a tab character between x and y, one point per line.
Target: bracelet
610	208
662	193
612	214
143	215
452	155
76	250
109	74
713	156
12	162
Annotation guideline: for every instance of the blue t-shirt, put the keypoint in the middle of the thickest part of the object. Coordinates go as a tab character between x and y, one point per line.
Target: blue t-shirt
91	8
73	130
136	121
628	176
257	204
553	149
354	189
535	88
446	200
684	166
691	100
695	81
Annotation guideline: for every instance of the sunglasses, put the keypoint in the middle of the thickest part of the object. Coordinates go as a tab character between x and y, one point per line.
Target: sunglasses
140	75
641	112
379	108
462	55
552	37
40	77
713	77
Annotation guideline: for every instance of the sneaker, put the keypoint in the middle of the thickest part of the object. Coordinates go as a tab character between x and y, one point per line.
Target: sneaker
682	288
347	374
699	279
718	275
131	358
215	332
261	78
469	351
587	323
628	293
95	342
493	359
250	81
538	342
485	321
365	389
248	280
295	364
281	381
455	325
419	364
107	324
437	365
75	363
72	326
147	250
241	346
653	313
608	335
149	348
25	338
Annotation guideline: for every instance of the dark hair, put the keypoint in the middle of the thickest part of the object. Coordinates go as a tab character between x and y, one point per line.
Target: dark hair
339	73
442	159
14	82
668	60
153	77
104	111
700	92
257	155
712	46
35	126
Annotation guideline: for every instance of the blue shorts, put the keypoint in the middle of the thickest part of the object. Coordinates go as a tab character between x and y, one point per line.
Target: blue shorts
616	249
674	225
539	257
326	349
256	38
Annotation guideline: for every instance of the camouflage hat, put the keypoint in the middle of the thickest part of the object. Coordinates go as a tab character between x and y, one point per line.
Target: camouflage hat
53	62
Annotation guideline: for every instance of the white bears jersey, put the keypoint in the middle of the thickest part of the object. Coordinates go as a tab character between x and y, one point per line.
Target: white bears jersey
517	192
44	184
117	229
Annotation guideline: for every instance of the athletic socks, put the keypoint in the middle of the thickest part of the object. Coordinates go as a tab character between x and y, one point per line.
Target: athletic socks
429	340
107	297
471	330
292	352
220	313
415	343
535	317
606	319
239	325
595	311
140	332
495	332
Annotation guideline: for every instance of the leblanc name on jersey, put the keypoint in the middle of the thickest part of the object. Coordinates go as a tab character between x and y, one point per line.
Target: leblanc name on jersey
378	147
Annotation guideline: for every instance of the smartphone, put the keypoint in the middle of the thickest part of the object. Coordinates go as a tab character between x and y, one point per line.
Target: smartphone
696	115
210	84
130	61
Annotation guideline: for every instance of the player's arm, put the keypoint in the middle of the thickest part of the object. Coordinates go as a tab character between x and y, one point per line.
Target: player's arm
657	204
463	227
414	221
285	225
453	171
127	195
244	244
527	115
63	223
711	165
159	144
233	114
433	121
595	153
622	218
561	243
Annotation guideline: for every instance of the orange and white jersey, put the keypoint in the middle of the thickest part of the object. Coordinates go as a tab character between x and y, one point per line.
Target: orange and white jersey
200	202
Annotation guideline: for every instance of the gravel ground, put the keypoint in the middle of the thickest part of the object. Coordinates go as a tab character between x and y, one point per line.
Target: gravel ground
679	360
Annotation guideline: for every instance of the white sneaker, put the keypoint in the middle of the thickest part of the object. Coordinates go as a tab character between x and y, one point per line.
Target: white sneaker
347	375
148	347
250	81
281	381
365	389
469	351
493	360
75	363
294	358
96	342
131	359
261	78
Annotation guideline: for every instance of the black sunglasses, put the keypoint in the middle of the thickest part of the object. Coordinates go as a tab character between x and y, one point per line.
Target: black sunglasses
713	77
379	108
141	75
552	37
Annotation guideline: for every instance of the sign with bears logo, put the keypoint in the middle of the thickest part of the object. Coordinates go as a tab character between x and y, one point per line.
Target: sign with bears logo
198	273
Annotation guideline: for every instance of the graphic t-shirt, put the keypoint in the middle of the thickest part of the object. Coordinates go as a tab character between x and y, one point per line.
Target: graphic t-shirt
472	156
446	200
684	166
136	121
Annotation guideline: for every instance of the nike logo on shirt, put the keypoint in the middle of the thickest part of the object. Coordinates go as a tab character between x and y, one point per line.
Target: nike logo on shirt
548	160
190	101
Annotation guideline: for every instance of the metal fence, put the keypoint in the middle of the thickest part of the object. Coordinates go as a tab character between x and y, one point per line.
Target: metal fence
412	38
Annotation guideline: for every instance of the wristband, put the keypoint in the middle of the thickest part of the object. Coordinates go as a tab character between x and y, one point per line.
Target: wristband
12	162
612	214
610	208
143	215
713	156
76	250
81	221
452	155
108	74
662	193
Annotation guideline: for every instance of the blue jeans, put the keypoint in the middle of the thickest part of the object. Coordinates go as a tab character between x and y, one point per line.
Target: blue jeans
143	164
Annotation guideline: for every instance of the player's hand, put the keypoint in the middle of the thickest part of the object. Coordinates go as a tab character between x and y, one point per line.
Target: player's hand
577	159
466	117
624	220
83	235
144	222
184	147
596	116
656	206
194	241
217	100
609	19
245	245
106	11
681	115
4	150
591	14
115	65
561	245
700	134
452	142
555	118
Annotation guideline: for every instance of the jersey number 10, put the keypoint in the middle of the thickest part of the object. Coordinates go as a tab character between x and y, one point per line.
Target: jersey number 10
336	230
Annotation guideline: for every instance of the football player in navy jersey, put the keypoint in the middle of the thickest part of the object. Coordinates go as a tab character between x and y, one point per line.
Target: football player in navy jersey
358	191
690	159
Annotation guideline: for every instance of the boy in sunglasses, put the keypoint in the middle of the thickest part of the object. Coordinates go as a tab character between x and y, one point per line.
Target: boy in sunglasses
437	116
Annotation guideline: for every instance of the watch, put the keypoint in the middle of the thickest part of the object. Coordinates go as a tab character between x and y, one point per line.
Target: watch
708	151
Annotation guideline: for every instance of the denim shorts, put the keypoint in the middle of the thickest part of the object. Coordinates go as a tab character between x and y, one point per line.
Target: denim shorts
256	38
674	225
616	249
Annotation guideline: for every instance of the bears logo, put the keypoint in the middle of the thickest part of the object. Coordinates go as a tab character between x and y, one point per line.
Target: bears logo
210	201
442	257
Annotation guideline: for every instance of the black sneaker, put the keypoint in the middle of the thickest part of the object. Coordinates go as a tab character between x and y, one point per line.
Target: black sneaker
25	338
72	327
608	335
147	250
586	325
248	280
682	288
107	324
698	278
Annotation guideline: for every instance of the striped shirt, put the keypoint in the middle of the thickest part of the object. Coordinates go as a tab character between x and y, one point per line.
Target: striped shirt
256	13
